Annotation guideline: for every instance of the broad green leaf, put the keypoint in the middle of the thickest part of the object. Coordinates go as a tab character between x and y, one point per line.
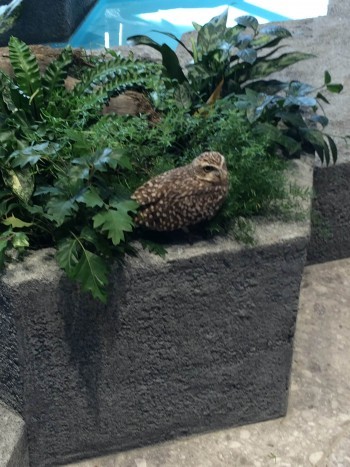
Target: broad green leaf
232	35
16	223
91	272
169	57
336	88
172	36
263	68
30	155
114	222
316	138
91	198
20	240
172	64
265	41
273	30
321	119
327	78
6	136
85	267
106	157
293	118
248	55
272	86
297	88
21	182
211	35
60	208
182	96
302	101
44	190
248	22
125	206
276	135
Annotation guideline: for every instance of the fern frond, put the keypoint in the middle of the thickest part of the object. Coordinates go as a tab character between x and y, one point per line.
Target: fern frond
116	75
27	74
56	72
12	97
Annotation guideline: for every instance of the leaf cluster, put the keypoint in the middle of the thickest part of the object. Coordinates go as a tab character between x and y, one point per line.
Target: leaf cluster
235	62
67	171
61	185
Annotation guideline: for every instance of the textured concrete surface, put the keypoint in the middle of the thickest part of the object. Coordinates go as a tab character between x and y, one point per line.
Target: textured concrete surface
47	21
200	341
13	441
316	430
330	232
11	390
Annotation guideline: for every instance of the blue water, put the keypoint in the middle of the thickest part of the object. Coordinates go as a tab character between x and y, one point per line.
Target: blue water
110	22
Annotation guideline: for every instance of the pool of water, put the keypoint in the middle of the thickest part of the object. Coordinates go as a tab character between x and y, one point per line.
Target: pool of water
110	22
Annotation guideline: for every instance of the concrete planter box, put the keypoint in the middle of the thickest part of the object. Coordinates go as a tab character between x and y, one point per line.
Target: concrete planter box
43	21
199	341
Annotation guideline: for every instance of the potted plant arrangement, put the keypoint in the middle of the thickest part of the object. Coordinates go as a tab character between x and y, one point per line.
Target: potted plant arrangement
142	348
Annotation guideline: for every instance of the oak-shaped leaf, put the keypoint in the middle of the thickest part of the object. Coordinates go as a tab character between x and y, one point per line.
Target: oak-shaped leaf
115	221
84	266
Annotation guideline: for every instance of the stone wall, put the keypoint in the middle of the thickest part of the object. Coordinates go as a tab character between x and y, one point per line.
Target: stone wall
43	21
194	343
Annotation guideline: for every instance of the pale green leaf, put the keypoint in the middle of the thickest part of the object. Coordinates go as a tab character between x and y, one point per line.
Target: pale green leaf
20	240
16	223
21	182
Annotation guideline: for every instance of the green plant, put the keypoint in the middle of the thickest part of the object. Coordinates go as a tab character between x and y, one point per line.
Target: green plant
67	171
289	117
59	186
234	63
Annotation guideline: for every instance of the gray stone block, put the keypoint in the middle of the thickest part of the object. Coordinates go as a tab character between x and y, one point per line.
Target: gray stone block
338	8
330	234
198	341
43	21
11	390
13	440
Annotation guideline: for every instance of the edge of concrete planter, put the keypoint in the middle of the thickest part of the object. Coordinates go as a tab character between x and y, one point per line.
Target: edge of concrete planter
13	441
199	341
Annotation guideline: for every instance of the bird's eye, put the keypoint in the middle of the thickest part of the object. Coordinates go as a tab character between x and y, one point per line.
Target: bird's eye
208	168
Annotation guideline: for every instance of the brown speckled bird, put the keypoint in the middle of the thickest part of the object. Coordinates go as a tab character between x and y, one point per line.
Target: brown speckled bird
183	196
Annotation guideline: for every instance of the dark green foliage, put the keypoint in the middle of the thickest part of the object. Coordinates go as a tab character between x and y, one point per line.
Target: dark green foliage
67	171
59	181
233	62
